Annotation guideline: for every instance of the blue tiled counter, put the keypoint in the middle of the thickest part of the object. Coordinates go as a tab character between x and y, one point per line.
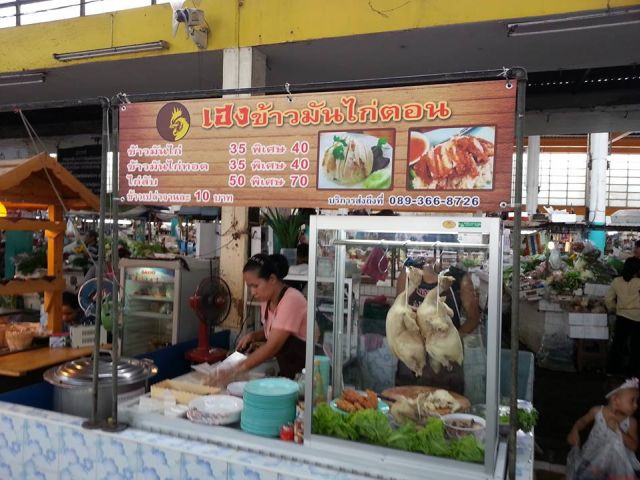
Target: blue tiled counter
39	444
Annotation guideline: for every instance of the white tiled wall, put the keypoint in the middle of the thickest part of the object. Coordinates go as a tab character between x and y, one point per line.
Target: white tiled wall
38	444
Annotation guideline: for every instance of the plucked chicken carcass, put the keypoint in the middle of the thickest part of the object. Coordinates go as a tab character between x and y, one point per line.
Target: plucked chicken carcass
403	333
441	338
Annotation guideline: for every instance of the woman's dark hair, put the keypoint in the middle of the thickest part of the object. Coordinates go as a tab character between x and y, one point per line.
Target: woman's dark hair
71	300
631	268
266	265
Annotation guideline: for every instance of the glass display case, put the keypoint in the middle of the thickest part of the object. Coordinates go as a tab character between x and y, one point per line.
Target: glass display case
156	294
438	404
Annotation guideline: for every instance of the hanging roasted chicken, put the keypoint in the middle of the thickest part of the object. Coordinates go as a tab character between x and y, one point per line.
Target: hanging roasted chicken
441	338
403	333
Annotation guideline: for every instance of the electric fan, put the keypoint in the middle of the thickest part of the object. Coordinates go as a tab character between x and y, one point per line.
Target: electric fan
211	302
87	300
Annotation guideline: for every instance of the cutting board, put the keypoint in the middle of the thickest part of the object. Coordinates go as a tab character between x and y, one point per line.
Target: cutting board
412	391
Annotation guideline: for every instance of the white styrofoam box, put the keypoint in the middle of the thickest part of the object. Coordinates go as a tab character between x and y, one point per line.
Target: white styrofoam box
626	217
594	333
555	323
596	289
555	318
547	306
557	217
83	335
588	319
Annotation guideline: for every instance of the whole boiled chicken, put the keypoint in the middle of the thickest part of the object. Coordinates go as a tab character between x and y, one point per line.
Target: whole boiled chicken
403	333
441	339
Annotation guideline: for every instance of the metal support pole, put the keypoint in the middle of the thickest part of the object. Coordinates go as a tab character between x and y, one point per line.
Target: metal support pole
112	424
533	173
93	421
520	75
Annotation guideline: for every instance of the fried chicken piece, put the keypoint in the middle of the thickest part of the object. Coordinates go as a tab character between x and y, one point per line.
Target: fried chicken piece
351	396
345	405
372	400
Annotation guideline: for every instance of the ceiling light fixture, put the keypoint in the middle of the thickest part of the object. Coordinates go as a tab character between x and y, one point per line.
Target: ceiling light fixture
13	79
104	52
612	18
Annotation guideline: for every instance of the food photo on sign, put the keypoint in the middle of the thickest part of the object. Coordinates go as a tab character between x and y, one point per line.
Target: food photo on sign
459	158
356	159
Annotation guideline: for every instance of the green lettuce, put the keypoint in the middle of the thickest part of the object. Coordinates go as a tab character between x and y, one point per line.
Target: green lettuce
371	426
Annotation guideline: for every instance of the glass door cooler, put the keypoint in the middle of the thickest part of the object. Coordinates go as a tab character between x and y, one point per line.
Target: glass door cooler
155	310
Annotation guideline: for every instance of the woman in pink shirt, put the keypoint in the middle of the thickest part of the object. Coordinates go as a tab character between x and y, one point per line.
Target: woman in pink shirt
283	314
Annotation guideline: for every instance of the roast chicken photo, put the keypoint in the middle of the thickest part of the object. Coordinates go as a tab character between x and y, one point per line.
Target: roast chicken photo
460	162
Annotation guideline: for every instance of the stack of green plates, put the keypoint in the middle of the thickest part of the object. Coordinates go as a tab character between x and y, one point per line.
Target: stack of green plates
269	403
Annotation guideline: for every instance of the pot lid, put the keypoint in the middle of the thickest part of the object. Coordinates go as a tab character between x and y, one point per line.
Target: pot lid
80	371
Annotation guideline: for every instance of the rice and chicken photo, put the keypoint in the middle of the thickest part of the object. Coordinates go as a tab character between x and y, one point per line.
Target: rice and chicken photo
361	160
451	158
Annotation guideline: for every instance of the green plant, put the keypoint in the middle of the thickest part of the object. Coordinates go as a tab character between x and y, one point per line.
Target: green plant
285	227
28	263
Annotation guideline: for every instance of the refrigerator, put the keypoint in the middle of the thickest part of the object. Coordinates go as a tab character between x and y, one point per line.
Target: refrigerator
155	301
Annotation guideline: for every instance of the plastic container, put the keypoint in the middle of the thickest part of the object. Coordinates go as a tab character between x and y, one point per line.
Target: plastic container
454	430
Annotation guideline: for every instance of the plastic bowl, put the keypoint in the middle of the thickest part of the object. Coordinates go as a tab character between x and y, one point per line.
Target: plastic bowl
454	429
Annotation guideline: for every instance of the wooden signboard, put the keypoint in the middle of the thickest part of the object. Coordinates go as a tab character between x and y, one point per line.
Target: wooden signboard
425	148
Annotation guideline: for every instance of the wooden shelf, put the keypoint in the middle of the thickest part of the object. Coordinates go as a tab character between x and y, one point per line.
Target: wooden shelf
153	315
20	287
150	299
20	363
30	224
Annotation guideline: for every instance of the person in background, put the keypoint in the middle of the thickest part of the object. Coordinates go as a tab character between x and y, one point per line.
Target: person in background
91	242
72	315
636	249
283	313
609	452
302	254
623	299
123	252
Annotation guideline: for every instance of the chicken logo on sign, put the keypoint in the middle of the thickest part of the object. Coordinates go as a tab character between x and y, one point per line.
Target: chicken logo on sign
173	121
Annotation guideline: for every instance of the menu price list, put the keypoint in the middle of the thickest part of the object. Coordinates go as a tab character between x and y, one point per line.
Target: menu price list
262	166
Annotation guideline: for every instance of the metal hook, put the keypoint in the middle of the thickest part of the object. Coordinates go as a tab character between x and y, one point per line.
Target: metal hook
505	74
384	256
123	98
287	87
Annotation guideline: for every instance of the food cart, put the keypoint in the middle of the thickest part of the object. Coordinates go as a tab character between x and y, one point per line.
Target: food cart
307	175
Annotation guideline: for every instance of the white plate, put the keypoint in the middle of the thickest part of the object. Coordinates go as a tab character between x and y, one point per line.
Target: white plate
216	404
236	388
215	409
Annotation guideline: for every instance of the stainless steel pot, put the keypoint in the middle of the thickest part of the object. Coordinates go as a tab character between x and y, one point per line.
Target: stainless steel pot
72	383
